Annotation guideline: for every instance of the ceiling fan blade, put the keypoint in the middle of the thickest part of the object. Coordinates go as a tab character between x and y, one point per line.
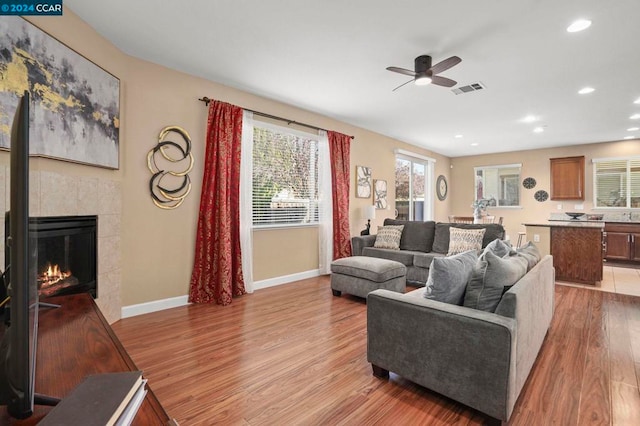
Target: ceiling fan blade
402	71
445	65
404	84
442	81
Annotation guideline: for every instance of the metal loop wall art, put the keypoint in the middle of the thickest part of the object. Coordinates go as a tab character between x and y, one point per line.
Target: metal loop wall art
169	188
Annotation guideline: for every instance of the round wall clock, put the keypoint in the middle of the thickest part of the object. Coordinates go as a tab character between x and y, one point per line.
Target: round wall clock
441	188
529	183
541	195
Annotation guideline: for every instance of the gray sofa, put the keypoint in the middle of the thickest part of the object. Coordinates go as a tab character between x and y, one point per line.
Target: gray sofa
419	244
481	359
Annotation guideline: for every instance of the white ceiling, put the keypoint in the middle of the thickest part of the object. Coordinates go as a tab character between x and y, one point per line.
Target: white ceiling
329	56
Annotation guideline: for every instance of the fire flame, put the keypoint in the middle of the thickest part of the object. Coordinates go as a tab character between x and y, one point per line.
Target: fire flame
53	275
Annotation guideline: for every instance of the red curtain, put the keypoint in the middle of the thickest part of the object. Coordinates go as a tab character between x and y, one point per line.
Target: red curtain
339	146
217	269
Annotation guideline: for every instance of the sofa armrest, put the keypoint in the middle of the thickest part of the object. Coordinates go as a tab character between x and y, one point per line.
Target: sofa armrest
465	354
530	302
358	243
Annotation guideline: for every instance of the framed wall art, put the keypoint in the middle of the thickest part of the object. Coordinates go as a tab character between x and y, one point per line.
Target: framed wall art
363	182
75	103
380	194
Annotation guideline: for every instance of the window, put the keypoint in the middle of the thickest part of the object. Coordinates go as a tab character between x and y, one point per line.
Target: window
285	170
414	180
616	182
499	186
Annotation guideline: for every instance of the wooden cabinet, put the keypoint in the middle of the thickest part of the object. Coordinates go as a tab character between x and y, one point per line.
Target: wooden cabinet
622	241
577	254
567	178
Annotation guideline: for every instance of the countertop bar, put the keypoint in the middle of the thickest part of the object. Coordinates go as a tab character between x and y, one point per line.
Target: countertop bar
569	224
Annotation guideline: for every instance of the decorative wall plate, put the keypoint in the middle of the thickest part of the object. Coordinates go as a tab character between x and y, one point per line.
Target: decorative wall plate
442	188
541	195
529	183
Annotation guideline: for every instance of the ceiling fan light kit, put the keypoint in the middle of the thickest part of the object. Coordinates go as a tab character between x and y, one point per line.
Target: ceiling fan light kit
422	80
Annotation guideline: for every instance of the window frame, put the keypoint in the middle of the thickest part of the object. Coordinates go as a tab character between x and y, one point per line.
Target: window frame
429	175
258	124
627	176
500	182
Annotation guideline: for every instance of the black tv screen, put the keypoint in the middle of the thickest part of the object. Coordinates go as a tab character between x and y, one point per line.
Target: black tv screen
18	349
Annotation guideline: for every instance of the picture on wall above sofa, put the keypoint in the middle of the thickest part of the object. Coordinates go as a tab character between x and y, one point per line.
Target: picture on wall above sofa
363	182
75	103
380	194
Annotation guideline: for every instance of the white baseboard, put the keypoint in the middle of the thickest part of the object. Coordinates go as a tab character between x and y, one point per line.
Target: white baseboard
286	279
156	305
174	302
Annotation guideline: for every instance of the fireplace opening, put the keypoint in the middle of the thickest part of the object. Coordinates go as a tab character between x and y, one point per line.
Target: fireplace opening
63	254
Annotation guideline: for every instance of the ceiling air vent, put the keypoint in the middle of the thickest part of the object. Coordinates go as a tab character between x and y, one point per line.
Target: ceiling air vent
469	88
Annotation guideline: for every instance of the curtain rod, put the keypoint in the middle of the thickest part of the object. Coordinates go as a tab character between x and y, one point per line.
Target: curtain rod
273	117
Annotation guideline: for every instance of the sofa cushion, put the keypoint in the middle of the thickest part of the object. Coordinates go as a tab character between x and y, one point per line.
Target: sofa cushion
531	253
490	278
498	247
423	260
461	240
403	256
369	268
389	237
416	235
448	277
441	238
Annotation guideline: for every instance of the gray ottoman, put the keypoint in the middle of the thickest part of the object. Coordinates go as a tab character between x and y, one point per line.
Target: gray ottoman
360	275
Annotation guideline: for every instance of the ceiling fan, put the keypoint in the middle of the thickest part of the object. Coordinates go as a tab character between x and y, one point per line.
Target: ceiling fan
425	73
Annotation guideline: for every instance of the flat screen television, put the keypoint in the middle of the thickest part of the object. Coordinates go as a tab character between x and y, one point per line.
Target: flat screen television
18	347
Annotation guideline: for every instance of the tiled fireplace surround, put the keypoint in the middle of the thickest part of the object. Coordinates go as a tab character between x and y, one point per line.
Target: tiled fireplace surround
55	194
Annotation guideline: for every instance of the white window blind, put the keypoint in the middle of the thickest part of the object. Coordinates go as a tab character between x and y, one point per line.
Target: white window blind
617	182
285	171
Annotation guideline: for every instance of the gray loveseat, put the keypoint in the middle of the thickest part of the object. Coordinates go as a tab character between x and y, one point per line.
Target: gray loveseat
419	244
481	359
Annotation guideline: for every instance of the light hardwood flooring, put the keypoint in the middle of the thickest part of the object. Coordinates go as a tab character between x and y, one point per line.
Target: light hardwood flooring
294	354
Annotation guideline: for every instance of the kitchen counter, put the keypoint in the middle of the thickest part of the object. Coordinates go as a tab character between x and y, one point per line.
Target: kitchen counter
576	247
569	223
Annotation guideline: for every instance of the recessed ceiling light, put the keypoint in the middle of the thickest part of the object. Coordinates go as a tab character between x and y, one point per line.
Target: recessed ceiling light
529	119
633	129
629	137
579	25
586	90
458	136
474	144
637	101
538	130
635	116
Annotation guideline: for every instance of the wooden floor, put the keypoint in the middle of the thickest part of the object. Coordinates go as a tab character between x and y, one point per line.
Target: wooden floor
294	354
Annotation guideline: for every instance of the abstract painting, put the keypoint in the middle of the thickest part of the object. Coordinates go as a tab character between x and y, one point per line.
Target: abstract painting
75	103
380	194
363	182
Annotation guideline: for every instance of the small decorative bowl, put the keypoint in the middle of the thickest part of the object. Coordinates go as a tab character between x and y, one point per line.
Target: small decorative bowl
595	216
574	215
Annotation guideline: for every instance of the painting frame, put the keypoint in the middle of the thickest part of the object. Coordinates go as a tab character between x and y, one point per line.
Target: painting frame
380	194
363	182
75	103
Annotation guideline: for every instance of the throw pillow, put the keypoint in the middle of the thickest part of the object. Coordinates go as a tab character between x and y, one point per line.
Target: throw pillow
448	277
389	237
489	279
531	253
498	247
461	240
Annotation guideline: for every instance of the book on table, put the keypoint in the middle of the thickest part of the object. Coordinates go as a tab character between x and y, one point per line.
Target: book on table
101	399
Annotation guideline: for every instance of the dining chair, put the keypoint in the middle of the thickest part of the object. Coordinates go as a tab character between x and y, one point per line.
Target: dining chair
461	219
488	219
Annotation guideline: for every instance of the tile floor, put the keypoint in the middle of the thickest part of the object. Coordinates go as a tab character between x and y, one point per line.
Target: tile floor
622	280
